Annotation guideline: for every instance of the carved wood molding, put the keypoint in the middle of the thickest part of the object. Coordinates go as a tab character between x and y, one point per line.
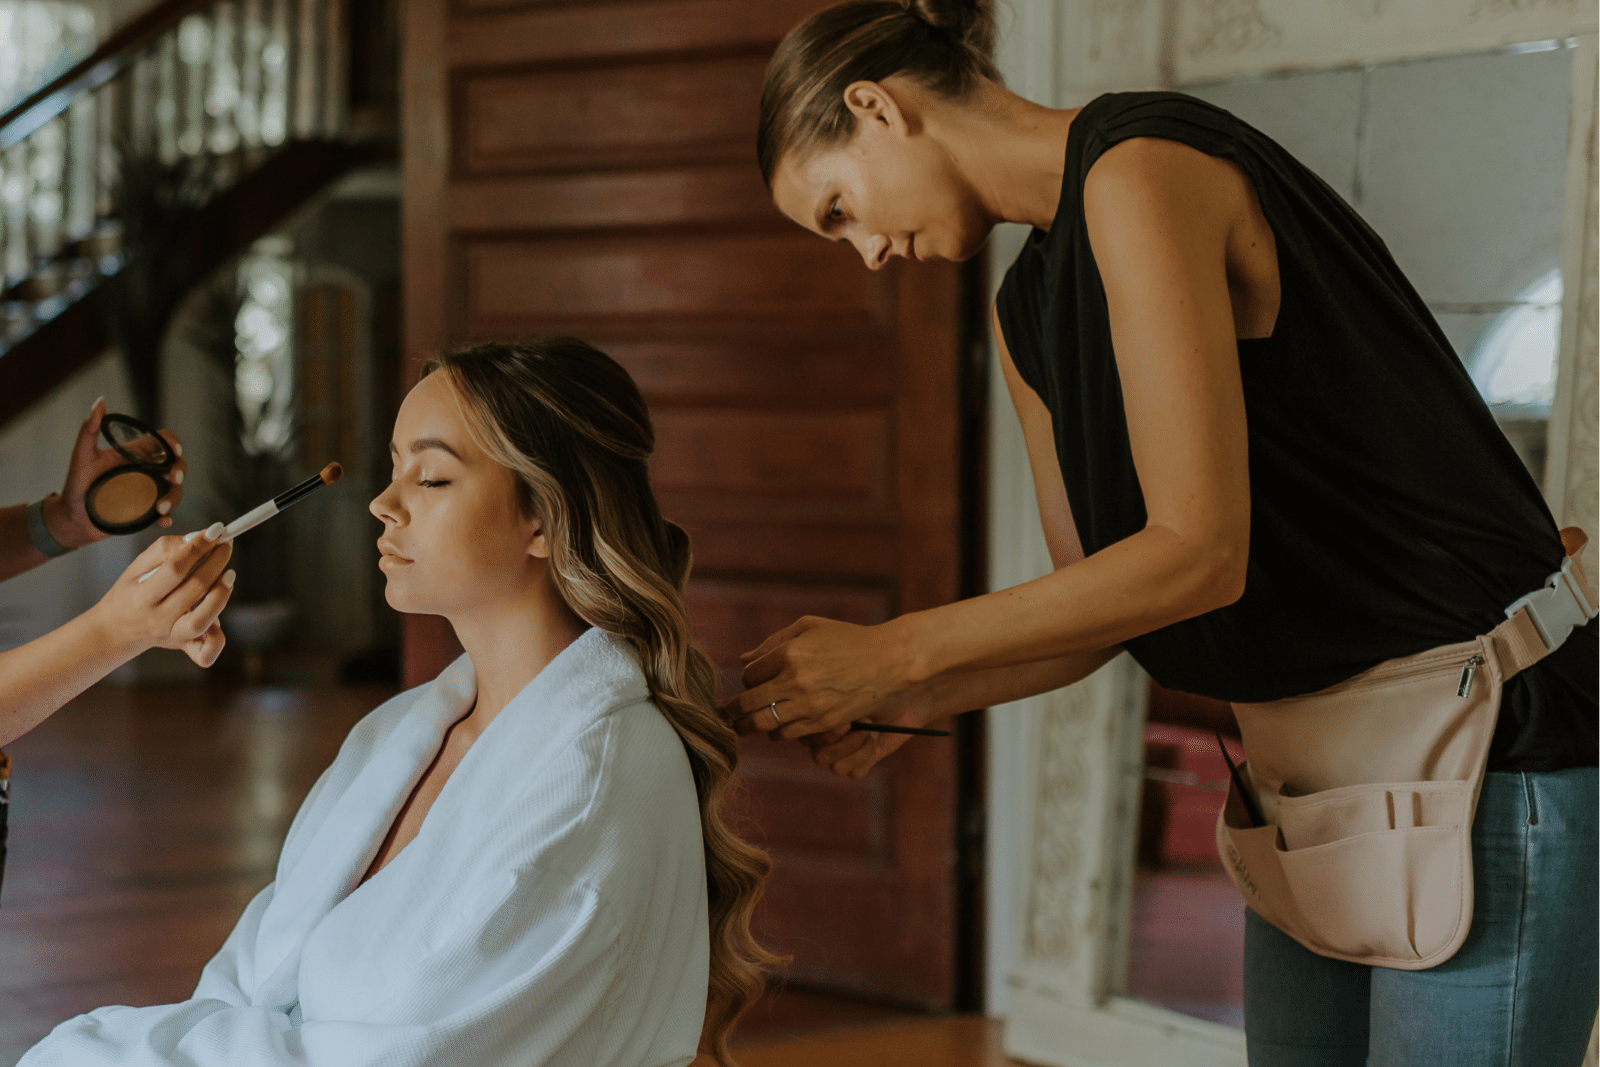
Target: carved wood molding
1218	39
1573	468
1085	813
1130	44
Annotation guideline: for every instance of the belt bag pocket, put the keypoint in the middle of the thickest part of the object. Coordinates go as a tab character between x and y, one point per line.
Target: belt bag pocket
1368	789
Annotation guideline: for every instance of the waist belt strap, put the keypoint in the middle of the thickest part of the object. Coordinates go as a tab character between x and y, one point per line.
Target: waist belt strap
1539	623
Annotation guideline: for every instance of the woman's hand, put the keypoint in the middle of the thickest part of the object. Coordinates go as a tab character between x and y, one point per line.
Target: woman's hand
852	753
65	515
823	675
170	597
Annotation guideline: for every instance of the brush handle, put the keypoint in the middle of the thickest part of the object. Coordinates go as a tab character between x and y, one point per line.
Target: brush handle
248	521
885	728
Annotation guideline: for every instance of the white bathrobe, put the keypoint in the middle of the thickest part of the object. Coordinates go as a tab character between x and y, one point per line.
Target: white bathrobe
552	910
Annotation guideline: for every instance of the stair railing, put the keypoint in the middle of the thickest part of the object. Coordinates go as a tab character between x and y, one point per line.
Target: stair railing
229	79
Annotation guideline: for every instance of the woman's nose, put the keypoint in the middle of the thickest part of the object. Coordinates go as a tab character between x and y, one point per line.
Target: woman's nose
384	506
875	251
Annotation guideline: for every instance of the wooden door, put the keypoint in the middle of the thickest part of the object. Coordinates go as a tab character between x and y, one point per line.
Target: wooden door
588	168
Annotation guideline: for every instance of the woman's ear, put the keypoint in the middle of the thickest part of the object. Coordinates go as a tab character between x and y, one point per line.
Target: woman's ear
873	105
538	543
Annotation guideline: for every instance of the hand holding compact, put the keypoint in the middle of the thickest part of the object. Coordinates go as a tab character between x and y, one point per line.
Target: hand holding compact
170	597
136	481
822	675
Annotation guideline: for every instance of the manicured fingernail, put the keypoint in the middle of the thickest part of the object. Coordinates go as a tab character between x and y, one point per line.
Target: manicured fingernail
214	531
147	575
164	507
190	536
177	446
96	404
177	477
228	577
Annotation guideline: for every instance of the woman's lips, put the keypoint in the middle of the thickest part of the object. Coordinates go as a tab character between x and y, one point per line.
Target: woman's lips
387	554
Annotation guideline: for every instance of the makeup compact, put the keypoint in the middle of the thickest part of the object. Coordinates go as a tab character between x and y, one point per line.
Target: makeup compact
123	500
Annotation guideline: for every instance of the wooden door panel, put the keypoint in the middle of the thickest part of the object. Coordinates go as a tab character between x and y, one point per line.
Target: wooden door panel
587	168
704	194
598	31
788	547
659	111
521	283
768	457
830	367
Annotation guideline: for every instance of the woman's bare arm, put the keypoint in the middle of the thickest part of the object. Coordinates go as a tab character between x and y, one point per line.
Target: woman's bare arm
176	606
853	754
1159	218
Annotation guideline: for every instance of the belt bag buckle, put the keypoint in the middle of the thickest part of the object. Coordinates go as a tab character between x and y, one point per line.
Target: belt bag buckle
1557	609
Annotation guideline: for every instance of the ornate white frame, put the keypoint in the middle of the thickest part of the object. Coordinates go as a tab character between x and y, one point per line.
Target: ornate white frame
1064	768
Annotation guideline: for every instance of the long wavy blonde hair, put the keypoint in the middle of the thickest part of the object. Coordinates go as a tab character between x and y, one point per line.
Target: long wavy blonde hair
570	423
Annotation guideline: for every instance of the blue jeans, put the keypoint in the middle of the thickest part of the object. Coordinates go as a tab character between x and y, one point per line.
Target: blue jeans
1521	991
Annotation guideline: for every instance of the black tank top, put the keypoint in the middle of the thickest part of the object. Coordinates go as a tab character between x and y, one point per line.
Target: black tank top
1389	514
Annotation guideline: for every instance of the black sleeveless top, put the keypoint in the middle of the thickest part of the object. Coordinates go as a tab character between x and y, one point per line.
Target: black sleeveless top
1389	514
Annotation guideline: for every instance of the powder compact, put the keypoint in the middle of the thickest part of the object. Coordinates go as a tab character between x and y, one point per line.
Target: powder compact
123	499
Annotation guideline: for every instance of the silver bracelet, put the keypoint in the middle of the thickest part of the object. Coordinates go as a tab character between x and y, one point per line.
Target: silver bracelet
40	534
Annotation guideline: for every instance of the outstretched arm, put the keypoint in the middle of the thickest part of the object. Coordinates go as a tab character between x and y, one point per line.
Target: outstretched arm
175	607
1159	218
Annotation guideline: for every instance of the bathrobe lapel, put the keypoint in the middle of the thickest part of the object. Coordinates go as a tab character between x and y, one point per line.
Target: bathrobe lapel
341	849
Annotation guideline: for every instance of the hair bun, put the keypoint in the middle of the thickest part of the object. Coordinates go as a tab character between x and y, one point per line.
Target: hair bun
969	21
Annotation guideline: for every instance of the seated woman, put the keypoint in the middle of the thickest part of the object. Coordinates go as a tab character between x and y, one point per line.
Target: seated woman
523	862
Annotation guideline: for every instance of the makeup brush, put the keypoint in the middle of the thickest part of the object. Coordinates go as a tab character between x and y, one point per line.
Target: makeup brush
885	728
256	516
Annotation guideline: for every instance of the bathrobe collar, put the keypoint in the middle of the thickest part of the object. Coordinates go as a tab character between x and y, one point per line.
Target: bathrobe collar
593	676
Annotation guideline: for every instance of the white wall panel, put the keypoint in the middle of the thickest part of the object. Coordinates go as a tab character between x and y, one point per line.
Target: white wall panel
1463	168
1317	117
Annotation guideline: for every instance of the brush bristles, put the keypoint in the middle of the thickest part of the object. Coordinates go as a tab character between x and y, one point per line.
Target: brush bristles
331	473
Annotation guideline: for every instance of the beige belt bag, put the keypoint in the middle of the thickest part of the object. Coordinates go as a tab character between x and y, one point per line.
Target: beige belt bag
1368	789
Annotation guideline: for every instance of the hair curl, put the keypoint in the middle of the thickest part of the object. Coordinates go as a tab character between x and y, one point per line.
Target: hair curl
943	44
570	424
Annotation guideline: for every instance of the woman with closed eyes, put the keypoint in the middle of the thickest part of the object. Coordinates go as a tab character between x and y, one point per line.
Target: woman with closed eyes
523	863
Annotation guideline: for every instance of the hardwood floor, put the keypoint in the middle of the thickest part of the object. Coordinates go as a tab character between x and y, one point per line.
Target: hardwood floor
948	1042
142	822
144	819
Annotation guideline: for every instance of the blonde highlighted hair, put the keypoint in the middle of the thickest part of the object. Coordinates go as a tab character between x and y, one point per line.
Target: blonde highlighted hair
569	422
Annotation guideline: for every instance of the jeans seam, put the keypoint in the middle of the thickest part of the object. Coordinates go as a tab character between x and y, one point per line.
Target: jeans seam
1522	917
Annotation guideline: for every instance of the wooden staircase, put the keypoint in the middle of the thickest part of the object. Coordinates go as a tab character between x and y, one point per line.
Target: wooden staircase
253	95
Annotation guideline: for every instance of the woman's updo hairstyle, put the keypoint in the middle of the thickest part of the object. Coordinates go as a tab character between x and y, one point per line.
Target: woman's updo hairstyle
944	44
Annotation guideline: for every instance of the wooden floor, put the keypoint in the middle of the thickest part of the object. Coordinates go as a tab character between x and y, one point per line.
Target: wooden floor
142	822
949	1042
144	819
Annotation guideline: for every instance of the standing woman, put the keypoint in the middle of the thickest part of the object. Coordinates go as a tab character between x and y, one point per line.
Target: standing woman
1261	470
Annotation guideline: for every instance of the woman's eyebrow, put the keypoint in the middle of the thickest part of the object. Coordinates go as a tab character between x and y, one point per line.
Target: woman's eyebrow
422	444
